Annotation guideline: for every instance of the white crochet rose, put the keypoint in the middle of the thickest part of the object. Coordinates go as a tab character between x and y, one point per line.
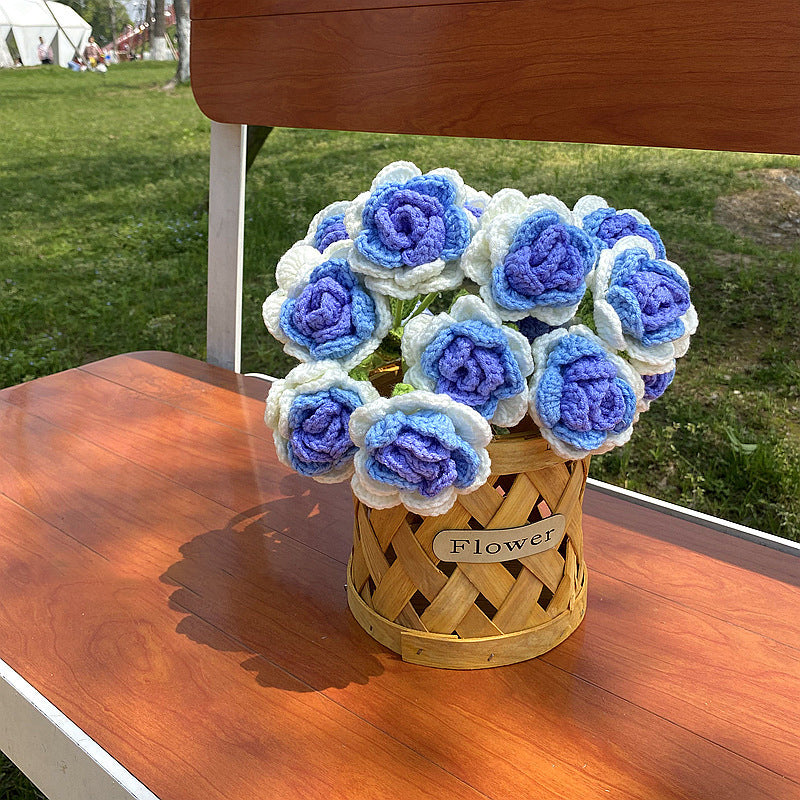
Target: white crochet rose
547	271
321	310
642	304
419	449
410	230
466	338
309	412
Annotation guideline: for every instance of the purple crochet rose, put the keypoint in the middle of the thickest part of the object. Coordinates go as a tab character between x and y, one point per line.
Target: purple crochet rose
420	452
473	363
608	226
330	230
320	440
584	398
656	385
546	265
649	296
413	223
333	315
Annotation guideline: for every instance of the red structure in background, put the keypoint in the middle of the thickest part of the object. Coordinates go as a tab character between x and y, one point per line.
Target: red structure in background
135	37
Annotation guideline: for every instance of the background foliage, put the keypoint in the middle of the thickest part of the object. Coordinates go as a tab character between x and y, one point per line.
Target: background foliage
98	14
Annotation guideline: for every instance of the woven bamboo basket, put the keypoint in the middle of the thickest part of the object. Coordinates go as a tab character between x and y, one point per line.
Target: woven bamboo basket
466	615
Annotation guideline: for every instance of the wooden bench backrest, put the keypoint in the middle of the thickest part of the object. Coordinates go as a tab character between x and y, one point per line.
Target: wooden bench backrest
713	74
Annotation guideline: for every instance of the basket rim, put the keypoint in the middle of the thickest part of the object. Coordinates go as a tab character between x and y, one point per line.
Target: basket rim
420	647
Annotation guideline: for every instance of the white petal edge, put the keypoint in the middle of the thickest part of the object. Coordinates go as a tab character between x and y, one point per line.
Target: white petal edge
353	221
419	332
511	410
296	264
396	172
587	205
271	314
449	278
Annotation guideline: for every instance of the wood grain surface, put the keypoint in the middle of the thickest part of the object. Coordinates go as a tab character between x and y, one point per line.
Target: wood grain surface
180	596
674	73
221	9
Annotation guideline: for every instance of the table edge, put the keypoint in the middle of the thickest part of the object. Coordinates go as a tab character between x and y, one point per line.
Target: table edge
698	517
54	753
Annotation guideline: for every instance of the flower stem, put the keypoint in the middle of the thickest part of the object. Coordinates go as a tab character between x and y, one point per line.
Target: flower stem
397	313
423	304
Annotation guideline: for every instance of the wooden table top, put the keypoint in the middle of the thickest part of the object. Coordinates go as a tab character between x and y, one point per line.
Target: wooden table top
179	595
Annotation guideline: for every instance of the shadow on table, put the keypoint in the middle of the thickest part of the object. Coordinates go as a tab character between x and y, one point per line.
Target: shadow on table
248	587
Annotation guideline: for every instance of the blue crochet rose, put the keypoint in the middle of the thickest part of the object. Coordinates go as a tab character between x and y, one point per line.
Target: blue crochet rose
642	305
420	452
656	385
420	449
583	397
649	296
309	412
319	440
472	362
608	226
333	315
330	230
410	230
546	265
321	310
327	226
413	223
471	357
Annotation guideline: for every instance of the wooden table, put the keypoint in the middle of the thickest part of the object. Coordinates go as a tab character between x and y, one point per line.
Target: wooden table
179	596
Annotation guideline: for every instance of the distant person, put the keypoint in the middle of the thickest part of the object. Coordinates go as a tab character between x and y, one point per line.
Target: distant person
92	53
76	65
44	52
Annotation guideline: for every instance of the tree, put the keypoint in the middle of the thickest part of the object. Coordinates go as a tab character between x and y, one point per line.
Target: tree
99	13
148	19
158	42
182	32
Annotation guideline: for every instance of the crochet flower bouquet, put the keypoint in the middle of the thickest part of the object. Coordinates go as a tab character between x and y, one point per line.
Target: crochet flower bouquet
573	317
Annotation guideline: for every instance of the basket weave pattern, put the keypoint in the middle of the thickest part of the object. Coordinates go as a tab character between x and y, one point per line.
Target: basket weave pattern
472	615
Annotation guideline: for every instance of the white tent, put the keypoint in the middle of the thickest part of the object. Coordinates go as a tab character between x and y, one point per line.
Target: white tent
22	22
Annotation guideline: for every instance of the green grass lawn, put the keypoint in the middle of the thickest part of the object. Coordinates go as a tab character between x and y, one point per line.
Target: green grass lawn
103	243
14	785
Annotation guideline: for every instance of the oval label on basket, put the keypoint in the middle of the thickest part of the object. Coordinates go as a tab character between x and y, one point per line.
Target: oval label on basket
499	544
